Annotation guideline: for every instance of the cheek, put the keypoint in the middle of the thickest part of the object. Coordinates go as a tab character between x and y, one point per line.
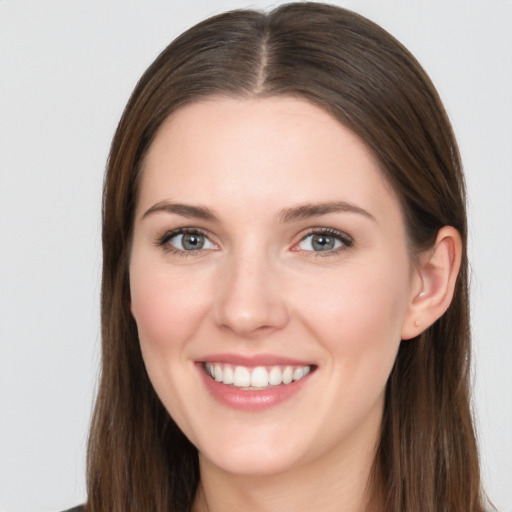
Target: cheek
167	309
358	314
167	306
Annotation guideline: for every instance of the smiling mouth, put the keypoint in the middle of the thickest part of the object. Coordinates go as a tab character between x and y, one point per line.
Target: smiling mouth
258	377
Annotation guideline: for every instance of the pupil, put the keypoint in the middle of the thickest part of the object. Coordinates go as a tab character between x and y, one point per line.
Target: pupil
323	243
192	241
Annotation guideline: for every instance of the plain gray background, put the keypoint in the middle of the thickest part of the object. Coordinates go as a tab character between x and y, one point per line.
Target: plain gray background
66	70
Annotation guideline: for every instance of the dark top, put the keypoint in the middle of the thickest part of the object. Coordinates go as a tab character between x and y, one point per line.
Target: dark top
75	509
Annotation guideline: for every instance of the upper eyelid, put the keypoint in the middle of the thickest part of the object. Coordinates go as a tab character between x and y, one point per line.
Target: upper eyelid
328	231
171	233
186	229
347	243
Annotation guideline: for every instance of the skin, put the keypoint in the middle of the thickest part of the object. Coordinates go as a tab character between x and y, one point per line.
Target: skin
258	287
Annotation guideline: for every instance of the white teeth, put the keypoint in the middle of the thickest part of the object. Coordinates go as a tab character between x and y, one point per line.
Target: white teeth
275	377
229	376
217	373
259	377
287	375
242	377
298	373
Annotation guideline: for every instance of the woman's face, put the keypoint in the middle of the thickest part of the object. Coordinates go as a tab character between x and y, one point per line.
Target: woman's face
270	280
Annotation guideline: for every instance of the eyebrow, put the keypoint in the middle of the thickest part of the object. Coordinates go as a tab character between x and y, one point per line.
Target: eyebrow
304	211
185	210
313	210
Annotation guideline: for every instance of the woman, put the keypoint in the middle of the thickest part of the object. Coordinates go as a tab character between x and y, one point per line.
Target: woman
284	300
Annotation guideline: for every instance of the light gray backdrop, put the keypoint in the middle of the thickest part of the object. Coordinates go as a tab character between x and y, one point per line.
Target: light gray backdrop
66	70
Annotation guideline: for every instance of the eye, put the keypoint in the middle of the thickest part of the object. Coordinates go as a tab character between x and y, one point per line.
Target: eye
324	241
187	241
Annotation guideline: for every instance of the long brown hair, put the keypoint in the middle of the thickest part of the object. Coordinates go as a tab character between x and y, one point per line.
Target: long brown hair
427	460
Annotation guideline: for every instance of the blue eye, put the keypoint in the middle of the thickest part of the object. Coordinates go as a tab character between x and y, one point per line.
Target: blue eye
188	241
324	242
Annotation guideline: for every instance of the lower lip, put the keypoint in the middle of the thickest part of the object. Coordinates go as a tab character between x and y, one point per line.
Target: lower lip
252	400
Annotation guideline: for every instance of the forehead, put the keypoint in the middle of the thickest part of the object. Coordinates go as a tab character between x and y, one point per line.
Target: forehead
250	151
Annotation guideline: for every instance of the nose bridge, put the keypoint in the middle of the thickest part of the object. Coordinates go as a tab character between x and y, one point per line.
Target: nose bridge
250	299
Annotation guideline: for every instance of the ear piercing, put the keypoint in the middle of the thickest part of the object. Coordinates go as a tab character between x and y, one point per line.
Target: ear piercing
416	323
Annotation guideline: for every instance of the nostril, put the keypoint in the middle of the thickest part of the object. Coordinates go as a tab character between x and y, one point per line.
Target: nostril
247	328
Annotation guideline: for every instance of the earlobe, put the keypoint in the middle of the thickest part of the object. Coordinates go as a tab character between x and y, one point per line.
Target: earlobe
437	274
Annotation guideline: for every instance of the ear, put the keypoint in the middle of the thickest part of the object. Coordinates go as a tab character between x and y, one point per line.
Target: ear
433	282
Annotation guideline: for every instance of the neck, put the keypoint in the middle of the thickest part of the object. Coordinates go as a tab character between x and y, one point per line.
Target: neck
333	483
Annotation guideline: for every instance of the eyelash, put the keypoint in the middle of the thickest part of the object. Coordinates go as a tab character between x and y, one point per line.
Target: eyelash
346	241
163	241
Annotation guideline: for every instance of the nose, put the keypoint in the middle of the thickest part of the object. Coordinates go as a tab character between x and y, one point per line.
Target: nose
250	301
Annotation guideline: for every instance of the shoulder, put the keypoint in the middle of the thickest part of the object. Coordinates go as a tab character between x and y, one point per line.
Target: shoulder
80	508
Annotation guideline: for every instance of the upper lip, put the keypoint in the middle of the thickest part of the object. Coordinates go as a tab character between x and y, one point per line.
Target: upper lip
253	360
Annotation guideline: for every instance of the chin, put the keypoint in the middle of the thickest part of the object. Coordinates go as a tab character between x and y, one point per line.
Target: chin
250	462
